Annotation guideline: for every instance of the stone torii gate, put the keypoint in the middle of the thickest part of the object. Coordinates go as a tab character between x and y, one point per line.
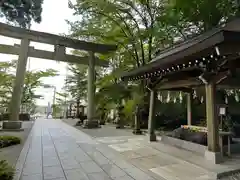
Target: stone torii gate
60	44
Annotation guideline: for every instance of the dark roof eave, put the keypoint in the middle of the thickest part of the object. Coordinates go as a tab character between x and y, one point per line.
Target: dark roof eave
178	53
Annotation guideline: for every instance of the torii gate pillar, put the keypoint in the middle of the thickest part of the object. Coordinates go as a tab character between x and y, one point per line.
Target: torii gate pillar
14	123
92	121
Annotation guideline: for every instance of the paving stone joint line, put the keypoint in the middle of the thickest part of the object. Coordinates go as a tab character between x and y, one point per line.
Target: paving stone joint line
111	160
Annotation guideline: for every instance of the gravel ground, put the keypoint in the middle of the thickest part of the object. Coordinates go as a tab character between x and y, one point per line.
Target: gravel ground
12	153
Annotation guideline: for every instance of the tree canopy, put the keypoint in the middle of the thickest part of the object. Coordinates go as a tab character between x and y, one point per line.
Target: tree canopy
33	80
21	12
76	82
141	29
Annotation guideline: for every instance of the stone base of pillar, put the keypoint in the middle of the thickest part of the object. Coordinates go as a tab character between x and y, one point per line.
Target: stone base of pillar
118	126
12	126
152	137
78	123
91	124
137	131
214	157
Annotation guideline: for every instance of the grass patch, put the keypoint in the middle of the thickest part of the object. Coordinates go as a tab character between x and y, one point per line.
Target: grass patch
6	171
6	141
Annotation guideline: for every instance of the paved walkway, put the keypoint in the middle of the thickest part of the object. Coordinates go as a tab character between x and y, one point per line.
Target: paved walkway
163	161
56	151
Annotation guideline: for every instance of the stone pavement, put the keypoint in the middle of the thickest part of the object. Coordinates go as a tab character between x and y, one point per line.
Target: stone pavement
162	161
56	151
104	131
152	161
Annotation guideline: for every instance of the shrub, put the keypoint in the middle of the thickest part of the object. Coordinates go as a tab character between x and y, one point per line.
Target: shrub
6	141
194	136
22	117
6	171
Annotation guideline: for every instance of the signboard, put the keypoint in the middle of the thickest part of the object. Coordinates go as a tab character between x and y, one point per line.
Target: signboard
222	111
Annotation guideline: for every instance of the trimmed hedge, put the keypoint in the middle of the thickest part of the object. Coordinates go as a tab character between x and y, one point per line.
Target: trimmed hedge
6	171
22	117
6	141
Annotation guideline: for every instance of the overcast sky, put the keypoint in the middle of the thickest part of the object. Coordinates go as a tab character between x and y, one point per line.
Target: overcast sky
54	14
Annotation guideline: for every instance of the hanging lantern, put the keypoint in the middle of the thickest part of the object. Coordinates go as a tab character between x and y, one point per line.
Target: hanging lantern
202	100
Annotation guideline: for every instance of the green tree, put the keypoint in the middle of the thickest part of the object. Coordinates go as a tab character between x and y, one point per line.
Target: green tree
76	83
33	80
61	102
133	25
141	29
21	12
202	15
6	83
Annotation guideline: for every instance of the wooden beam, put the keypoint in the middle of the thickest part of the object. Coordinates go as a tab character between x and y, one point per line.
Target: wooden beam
42	37
179	84
7	49
183	89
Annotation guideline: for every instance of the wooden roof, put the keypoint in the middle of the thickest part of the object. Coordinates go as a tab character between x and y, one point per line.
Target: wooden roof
203	47
42	37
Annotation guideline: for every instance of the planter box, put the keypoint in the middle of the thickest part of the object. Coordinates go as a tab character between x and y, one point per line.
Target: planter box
12	126
187	145
194	147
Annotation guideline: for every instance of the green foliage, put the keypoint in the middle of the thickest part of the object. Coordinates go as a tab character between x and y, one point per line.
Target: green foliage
129	109
130	106
21	12
6	171
6	141
141	29
33	80
204	14
76	82
227	124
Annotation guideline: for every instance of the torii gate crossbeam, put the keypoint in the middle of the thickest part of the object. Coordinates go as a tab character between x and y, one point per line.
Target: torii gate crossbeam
60	43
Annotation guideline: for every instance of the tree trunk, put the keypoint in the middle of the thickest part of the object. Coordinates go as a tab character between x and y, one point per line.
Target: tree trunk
142	113
78	106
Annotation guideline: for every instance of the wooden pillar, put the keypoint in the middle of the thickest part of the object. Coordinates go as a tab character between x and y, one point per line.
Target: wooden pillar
212	121
19	81
189	108
91	88
151	117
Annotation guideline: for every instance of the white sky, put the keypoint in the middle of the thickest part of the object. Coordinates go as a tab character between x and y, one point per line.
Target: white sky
54	14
